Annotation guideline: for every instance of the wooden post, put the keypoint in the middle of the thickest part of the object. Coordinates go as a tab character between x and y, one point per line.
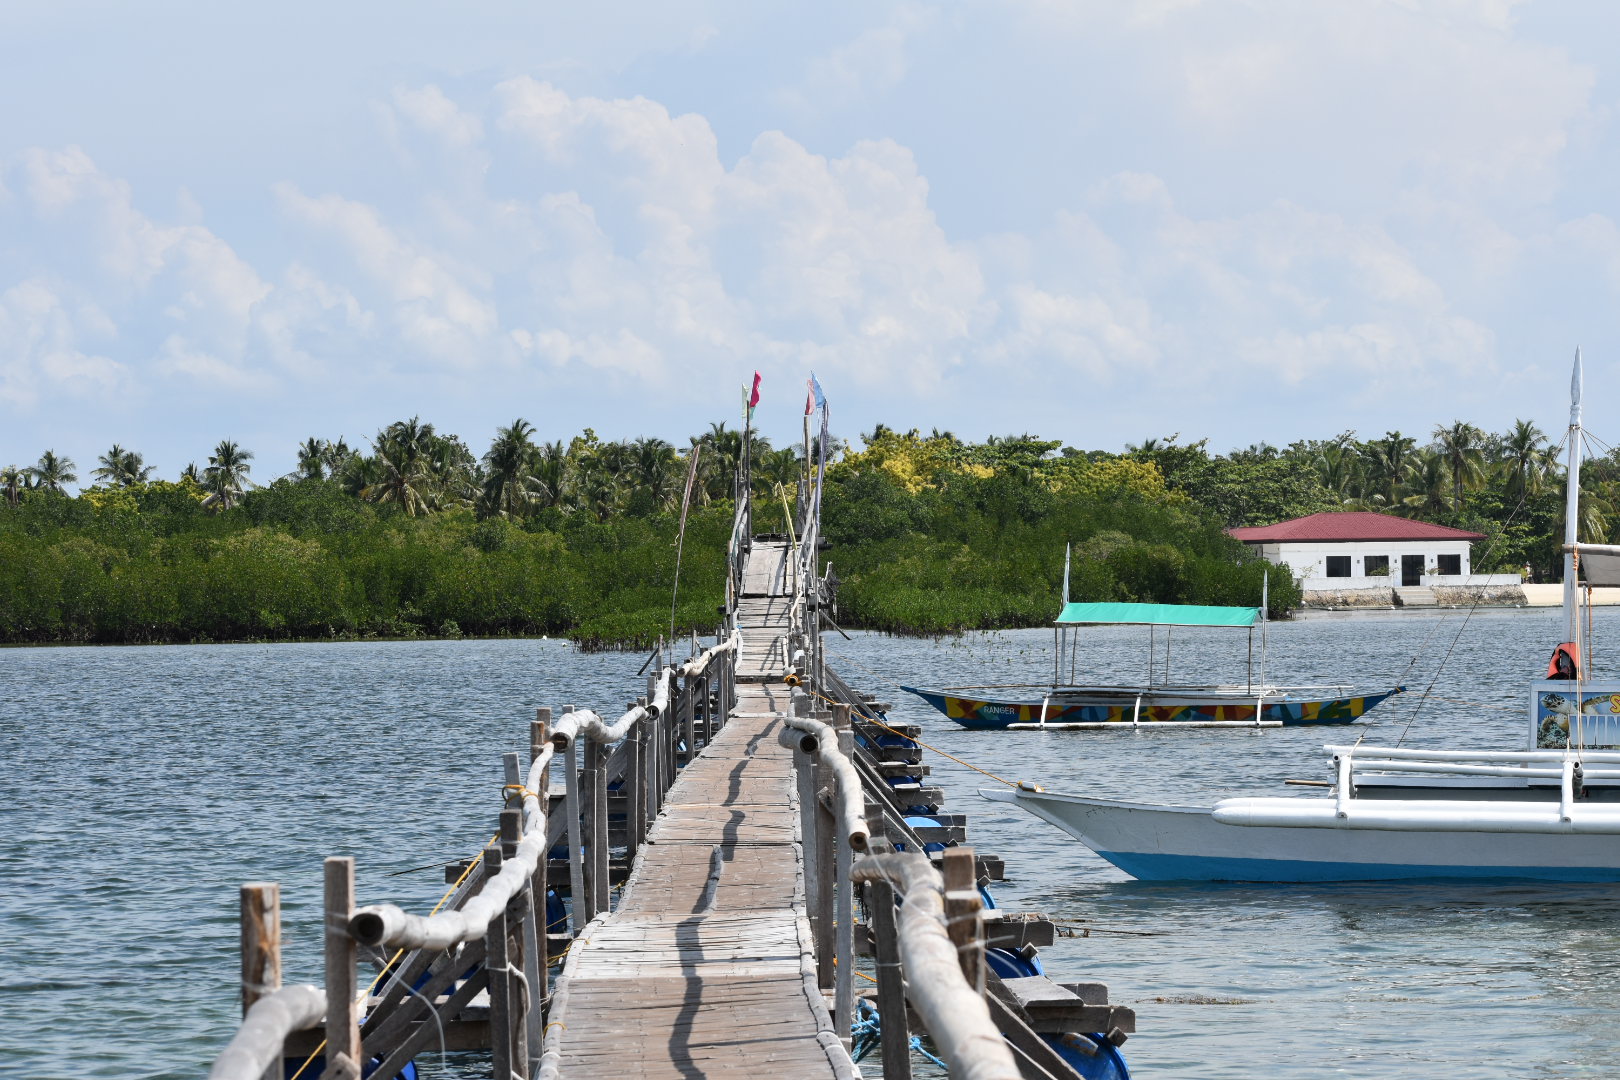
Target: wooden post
261	941
589	752
261	950
343	1059
964	915
844	915
524	939
497	961
535	959
577	901
689	719
826	877
601	864
891	992
804	772
635	793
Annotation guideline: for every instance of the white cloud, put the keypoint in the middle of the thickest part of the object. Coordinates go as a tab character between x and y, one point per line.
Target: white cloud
870	64
42	348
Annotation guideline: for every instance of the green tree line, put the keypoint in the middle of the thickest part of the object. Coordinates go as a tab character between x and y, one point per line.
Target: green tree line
414	534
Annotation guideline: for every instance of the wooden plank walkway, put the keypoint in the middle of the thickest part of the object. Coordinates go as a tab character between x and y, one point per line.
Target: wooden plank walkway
706	968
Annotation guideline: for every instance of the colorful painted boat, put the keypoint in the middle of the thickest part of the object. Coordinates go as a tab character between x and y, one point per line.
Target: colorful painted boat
1080	708
1066	706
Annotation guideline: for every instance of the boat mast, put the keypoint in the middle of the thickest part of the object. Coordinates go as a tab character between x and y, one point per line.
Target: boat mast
1572	504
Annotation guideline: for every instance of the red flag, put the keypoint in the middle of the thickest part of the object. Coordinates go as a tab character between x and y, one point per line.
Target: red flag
809	397
753	397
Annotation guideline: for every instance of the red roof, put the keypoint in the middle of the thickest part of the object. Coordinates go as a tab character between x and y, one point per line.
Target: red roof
1347	526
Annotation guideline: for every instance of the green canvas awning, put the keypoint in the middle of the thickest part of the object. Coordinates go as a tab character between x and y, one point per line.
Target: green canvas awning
1159	614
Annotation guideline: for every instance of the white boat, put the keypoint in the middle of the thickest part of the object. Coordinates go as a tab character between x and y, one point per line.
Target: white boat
1549	812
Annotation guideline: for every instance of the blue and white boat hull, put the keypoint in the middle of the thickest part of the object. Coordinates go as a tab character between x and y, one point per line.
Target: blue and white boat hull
1192	843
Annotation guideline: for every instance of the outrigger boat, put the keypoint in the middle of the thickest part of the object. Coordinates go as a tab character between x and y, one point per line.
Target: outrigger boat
1550	812
1066	706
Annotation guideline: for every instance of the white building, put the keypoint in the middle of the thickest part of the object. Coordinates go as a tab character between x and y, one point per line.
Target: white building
1359	550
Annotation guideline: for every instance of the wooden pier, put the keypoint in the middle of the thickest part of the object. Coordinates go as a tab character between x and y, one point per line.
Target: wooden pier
748	804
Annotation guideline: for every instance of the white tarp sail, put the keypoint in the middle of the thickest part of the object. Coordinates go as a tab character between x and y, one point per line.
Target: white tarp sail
1599	563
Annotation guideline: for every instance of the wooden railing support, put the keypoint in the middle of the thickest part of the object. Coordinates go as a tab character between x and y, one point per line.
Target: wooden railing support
261	949
964	913
343	1058
844	913
578	903
891	993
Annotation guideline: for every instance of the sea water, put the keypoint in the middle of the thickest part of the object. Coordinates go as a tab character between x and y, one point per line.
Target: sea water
144	785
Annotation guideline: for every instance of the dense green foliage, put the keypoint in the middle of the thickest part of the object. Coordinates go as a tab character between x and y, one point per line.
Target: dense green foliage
927	534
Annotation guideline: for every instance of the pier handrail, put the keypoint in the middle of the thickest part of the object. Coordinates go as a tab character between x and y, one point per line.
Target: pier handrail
258	1042
821	740
389	926
955	1013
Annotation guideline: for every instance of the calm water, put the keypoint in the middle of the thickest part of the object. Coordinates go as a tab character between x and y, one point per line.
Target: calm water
147	783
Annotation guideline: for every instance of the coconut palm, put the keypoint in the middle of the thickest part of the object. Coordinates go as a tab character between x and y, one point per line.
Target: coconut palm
1463	446
311	459
1523	457
546	482
505	466
226	474
122	468
190	472
403	471
51	473
13	482
722	456
1429	486
1339	469
1387	462
652	470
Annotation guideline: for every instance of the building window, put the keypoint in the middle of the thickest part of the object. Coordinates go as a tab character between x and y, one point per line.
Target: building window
1338	566
1449	564
1376	566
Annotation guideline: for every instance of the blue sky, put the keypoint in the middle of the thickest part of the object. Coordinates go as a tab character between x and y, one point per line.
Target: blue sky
1092	221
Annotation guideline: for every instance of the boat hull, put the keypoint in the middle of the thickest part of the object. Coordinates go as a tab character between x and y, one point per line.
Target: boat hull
1123	709
1187	843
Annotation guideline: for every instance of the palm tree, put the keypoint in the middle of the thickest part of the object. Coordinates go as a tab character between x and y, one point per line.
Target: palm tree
337	456
226	475
122	468
652	469
111	466
1338	467
1463	446
505	465
52	472
190	473
1388	462
546	482
1522	457
403	475
311	459
13	481
1430	484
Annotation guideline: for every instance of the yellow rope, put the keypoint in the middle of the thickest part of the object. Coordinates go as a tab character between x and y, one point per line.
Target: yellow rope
878	723
361	1000
523	792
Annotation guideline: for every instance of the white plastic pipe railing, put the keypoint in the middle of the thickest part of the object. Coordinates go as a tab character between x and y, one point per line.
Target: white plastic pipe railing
387	926
956	1016
822	740
258	1042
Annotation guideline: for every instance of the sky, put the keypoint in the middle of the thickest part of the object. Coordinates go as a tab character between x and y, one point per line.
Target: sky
1247	220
